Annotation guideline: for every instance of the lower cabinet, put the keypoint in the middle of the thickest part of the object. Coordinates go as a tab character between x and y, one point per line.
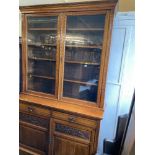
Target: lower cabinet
56	134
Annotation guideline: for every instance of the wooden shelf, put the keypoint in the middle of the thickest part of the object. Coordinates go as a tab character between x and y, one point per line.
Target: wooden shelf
83	46
42	29
72	62
40	44
44	59
80	82
44	77
69	29
83	63
66	80
85	29
80	46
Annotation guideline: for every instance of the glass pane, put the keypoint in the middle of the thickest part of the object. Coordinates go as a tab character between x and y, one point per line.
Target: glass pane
42	22
84	38
41	41
80	91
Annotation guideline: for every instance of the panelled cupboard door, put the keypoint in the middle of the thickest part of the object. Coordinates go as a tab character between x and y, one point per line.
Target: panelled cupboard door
34	138
68	147
71	139
41	47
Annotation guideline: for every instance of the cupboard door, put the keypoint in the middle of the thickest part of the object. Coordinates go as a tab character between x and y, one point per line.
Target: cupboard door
71	139
83	49
68	147
33	138
41	53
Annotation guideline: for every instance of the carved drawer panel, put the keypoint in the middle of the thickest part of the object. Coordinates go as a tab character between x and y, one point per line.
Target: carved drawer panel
72	131
74	119
32	109
34	120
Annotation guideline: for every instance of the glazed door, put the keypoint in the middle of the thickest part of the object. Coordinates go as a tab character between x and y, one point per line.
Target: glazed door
41	47
83	57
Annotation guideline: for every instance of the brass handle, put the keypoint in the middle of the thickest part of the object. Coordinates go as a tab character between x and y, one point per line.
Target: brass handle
71	119
30	109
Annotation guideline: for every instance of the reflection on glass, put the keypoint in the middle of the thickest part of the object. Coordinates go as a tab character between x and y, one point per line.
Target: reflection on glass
84	37
86	22
83	54
41	37
39	84
83	73
42	22
43	68
80	91
41	41
45	52
85	30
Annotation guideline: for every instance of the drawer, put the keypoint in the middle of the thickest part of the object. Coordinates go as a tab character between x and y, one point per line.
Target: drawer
32	119
74	119
32	109
72	131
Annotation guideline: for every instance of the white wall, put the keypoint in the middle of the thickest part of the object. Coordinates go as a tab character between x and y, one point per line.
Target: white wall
120	79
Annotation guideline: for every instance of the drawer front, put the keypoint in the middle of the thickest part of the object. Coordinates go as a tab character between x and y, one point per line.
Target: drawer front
74	119
32	109
34	120
74	132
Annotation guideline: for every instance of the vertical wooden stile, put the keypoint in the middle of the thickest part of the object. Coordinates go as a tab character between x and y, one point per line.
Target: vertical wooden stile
58	57
24	52
109	25
62	54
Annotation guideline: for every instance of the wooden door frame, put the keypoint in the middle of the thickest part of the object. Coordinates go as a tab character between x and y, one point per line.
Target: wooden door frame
104	58
25	55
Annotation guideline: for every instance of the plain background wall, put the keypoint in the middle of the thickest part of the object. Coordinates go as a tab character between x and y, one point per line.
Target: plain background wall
120	78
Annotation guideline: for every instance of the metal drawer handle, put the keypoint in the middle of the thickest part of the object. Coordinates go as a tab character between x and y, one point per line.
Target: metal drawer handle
71	119
30	109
